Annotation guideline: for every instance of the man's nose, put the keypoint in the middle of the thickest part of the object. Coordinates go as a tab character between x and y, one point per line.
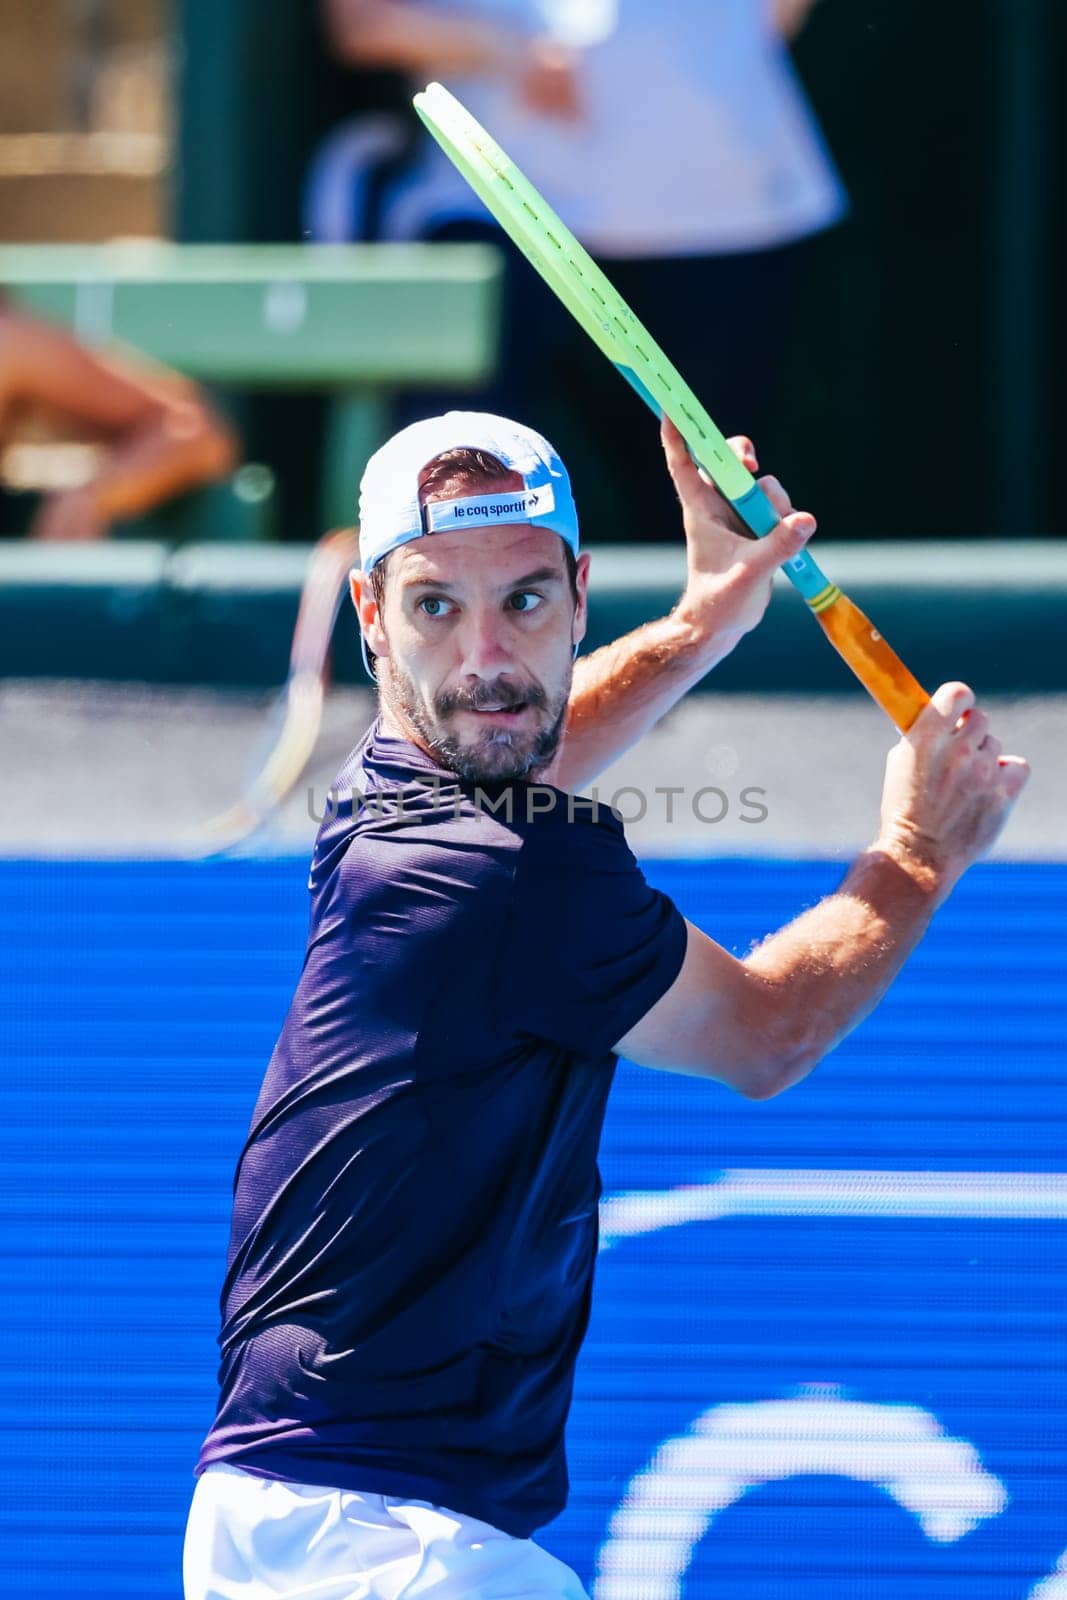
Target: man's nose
485	645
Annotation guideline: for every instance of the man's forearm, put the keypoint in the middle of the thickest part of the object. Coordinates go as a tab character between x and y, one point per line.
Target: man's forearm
622	691
624	688
832	965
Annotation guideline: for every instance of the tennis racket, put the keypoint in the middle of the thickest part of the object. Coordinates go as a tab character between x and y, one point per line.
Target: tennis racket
579	283
291	728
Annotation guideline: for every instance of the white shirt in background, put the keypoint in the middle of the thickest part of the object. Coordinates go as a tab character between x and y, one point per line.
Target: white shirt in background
697	137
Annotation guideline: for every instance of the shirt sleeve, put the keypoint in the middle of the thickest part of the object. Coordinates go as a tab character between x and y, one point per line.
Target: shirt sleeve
590	946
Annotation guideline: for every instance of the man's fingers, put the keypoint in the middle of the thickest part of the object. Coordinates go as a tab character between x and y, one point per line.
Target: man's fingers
679	461
692	482
674	446
947	704
677	452
972	726
776	495
1015	774
953	710
744	450
952	699
784	541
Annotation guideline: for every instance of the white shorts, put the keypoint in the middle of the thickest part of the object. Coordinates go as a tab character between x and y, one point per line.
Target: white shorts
251	1538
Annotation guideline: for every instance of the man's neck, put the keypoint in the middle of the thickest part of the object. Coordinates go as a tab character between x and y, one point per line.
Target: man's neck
396	726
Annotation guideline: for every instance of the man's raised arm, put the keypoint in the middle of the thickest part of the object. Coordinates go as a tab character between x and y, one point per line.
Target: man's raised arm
623	689
761	1024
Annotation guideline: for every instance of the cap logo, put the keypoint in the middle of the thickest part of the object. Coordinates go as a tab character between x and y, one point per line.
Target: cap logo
522	506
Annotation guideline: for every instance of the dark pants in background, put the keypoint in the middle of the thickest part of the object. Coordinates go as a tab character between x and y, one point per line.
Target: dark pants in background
720	319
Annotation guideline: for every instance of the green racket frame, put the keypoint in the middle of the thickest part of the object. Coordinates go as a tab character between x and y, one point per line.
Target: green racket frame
588	295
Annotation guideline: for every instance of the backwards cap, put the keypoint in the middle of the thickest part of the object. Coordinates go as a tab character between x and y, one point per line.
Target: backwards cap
389	511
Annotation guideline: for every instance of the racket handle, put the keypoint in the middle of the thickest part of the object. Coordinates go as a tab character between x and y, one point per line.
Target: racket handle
878	667
880	670
805	574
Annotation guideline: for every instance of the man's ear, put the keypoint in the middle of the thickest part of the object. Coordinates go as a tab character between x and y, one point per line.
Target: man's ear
581	610
362	592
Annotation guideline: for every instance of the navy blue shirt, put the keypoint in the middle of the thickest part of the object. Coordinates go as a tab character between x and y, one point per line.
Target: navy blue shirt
415	1208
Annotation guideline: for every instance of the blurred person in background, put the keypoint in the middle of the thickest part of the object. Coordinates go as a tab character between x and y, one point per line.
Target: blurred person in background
151	435
678	144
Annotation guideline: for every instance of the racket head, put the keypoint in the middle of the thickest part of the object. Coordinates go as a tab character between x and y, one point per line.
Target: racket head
574	276
525	217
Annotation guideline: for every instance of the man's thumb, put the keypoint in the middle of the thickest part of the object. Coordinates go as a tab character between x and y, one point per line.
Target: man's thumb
787	539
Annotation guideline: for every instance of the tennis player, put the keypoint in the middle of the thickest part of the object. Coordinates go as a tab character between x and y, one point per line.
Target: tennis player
415	1212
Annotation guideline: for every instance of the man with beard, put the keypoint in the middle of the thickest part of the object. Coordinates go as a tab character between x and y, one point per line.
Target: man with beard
415	1211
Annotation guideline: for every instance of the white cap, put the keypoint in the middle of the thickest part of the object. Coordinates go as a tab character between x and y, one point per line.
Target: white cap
389	510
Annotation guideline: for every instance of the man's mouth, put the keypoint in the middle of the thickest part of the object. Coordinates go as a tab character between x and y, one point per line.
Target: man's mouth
505	713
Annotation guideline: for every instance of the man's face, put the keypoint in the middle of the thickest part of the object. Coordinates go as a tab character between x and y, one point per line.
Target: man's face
475	646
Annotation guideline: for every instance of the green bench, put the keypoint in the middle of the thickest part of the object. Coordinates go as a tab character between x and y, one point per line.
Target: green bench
352	321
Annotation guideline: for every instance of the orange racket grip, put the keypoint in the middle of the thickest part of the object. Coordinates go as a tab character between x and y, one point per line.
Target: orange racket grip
878	667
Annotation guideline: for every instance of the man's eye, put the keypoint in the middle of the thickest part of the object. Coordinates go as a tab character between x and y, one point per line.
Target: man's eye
524	595
434	605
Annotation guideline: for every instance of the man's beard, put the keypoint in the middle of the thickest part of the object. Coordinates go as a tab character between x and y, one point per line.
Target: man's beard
496	755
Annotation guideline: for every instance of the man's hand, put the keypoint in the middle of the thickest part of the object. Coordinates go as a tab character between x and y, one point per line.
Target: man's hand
623	689
948	789
730	571
762	1024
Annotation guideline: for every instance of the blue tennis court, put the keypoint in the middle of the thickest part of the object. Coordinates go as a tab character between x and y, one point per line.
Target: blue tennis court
828	1355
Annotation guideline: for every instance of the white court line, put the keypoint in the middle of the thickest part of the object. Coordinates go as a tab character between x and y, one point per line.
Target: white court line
803	1192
